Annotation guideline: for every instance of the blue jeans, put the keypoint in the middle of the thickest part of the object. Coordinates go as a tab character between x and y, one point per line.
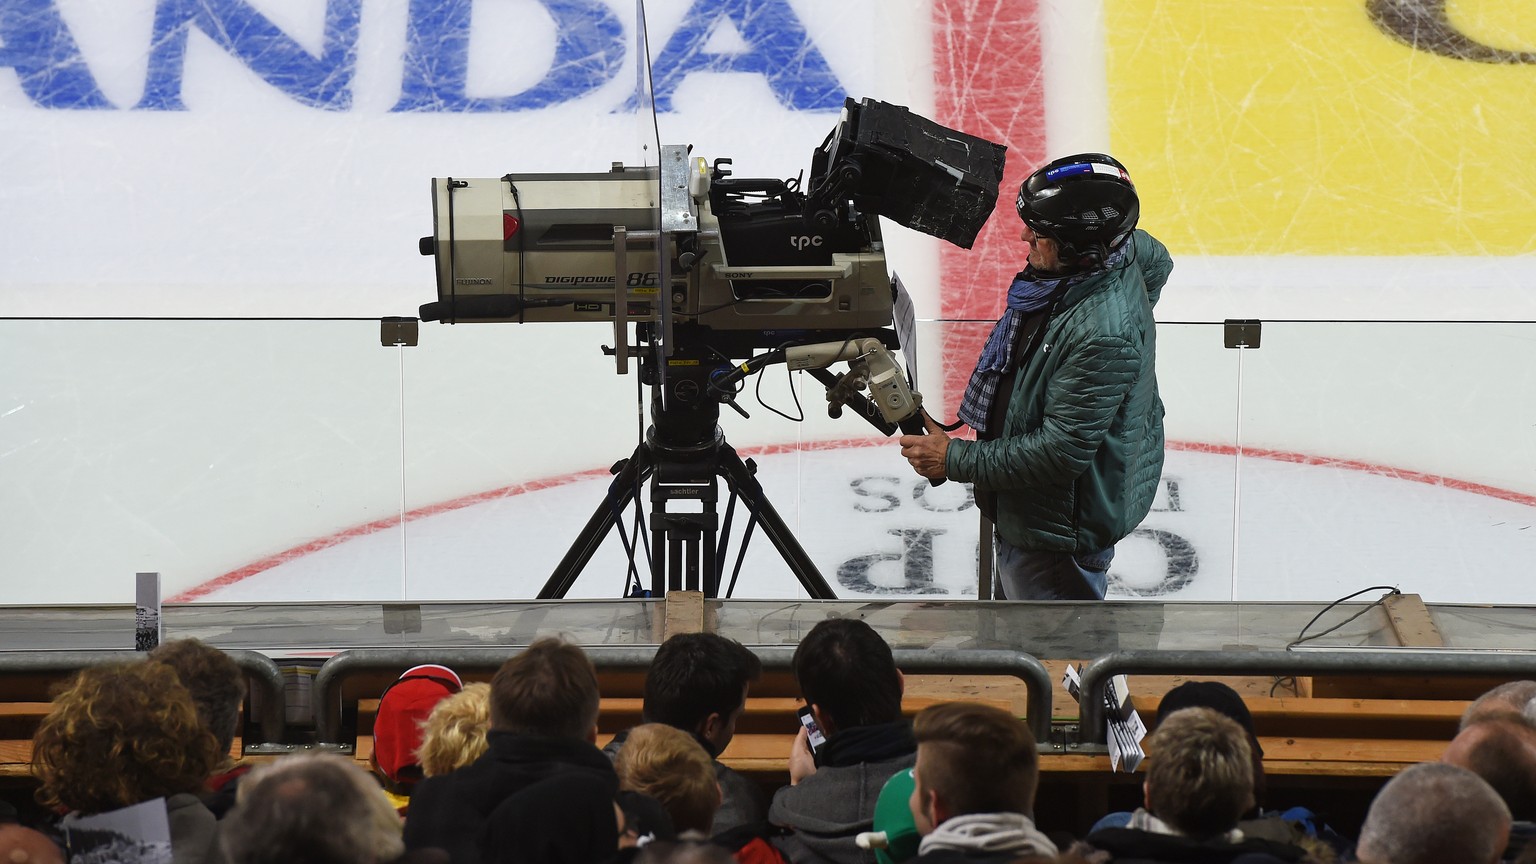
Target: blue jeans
1031	575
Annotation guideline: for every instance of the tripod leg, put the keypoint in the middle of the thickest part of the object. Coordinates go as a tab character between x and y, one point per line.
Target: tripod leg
744	483
620	493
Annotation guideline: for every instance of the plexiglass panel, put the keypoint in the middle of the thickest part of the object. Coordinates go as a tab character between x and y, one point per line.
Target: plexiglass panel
1389	454
1060	630
217	453
300	461
508	442
1183	549
328	627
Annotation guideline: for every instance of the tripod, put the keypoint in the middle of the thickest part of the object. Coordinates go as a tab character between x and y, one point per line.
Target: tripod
682	457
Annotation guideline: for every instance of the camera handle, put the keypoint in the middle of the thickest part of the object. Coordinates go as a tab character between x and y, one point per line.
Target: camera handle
892	403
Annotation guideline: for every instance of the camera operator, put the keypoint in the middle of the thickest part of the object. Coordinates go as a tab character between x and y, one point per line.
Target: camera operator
1064	400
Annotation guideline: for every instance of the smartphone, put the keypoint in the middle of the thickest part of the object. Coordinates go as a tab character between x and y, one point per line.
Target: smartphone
813	732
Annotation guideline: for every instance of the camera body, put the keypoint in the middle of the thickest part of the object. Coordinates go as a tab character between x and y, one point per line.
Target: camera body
753	272
743	263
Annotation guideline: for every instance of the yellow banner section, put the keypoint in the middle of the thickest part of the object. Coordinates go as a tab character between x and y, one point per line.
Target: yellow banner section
1328	127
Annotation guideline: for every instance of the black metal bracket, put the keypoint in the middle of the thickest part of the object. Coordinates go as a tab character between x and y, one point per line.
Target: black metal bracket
1241	332
395	332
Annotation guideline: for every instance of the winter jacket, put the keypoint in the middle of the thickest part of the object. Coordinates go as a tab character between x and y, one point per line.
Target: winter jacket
1079	456
450	811
828	809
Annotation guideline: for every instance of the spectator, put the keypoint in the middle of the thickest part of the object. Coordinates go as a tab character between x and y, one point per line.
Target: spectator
698	683
1296	825
123	735
1224	700
667	764
403	708
21	845
217	685
1431	814
974	786
850	681
454	734
1199	783
544	705
1501	749
315	808
1514	697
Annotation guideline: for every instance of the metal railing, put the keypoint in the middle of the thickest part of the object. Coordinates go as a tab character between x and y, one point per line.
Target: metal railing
259	669
1345	661
329	706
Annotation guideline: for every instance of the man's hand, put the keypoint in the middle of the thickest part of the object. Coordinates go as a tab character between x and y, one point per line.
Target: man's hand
926	452
801	763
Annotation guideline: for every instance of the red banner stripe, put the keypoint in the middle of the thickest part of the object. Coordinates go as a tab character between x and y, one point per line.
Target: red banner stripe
988	81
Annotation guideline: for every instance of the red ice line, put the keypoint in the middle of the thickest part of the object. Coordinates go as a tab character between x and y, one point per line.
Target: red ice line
273	561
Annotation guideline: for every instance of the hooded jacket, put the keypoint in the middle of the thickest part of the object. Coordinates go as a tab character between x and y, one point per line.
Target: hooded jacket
974	838
1080	453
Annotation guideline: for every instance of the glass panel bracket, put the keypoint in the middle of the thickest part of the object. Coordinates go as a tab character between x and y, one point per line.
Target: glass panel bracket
1241	333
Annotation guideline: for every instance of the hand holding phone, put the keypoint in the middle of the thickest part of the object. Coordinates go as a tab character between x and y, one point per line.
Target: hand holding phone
812	731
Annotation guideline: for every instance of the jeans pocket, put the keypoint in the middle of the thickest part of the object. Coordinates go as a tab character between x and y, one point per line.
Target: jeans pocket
1096	562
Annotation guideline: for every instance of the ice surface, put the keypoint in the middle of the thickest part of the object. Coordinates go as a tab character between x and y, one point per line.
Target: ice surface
1303	164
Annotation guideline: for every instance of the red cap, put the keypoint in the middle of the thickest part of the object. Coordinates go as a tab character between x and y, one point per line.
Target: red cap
402	710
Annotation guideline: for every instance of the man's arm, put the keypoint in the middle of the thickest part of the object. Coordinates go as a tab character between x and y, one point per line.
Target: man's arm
1153	261
1081	400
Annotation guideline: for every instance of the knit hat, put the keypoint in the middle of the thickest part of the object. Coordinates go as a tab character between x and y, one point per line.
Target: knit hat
402	710
1213	695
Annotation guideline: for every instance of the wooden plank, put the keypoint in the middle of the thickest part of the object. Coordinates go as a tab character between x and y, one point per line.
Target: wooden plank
15	758
1279	750
1404	687
685	613
1411	621
1332	717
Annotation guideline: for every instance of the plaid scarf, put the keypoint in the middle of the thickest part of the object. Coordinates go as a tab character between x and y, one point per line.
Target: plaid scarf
1031	291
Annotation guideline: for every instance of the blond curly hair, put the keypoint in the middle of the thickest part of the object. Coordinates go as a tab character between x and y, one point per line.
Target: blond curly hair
454	733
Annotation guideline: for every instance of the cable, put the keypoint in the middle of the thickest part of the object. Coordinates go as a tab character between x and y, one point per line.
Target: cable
453	252
1303	637
522	249
792	392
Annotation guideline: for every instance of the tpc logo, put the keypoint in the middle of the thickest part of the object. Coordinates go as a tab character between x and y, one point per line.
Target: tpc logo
592	49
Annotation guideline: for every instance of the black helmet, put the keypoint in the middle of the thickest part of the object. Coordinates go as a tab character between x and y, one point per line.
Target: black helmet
1086	203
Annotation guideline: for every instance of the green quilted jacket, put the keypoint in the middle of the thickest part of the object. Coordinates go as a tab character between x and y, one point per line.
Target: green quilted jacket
1081	450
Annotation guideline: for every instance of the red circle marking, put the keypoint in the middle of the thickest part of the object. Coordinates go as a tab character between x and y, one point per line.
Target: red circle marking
272	561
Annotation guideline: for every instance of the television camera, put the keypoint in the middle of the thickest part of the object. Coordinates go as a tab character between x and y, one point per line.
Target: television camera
721	277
